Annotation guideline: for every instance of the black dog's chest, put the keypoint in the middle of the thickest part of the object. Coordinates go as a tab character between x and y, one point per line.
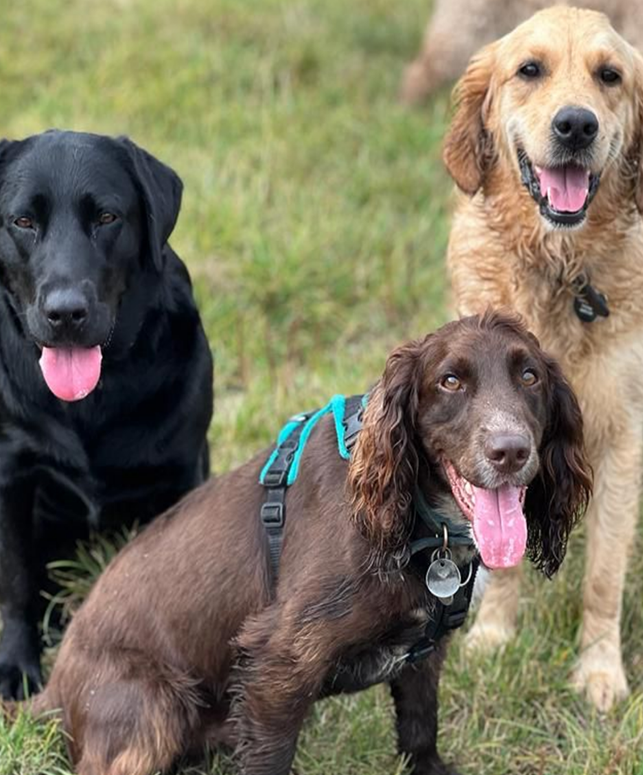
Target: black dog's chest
377	662
64	497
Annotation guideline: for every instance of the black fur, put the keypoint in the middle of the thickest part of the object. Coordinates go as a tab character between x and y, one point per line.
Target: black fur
135	444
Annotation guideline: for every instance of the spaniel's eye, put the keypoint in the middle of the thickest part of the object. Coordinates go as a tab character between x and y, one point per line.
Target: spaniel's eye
106	218
609	76
530	70
529	377
24	222
451	382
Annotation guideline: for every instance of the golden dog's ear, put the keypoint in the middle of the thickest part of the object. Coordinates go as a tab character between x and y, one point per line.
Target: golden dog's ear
638	148
468	149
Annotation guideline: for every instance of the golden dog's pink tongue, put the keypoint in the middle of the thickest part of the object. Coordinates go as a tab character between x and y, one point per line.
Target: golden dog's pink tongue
71	373
566	188
499	526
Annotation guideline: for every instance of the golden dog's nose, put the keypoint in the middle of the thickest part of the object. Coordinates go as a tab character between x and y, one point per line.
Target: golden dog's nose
575	128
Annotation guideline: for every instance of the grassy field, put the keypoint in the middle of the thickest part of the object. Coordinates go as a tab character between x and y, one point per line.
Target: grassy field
315	220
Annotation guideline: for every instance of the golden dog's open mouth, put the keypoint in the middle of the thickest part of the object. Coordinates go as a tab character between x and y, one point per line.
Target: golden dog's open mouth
562	193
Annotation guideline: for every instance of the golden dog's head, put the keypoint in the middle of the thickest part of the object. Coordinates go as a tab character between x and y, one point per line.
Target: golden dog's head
558	101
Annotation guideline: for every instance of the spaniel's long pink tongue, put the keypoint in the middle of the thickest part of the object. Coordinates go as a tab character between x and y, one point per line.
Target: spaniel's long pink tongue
499	526
71	373
566	188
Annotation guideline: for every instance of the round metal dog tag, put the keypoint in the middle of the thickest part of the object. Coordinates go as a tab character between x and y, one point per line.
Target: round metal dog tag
443	578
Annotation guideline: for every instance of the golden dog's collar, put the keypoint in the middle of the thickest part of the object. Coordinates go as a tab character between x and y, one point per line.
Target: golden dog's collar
589	302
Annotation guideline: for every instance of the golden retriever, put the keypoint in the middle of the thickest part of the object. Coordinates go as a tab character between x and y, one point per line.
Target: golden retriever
546	146
458	28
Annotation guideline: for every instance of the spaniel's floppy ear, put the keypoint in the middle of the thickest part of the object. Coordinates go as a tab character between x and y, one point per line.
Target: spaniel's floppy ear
558	497
468	149
384	463
161	190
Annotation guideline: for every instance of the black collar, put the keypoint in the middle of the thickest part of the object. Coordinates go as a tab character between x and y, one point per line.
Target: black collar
445	532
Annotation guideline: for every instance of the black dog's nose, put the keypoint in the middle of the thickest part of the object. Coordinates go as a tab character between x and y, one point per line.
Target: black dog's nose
508	452
66	308
575	128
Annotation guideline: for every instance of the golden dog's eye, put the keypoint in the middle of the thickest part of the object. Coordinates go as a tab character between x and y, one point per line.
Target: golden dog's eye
529	377
530	70
451	382
609	76
24	222
106	218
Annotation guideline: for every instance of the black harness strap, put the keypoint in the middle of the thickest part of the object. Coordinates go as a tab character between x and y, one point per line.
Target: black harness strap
273	511
352	421
447	619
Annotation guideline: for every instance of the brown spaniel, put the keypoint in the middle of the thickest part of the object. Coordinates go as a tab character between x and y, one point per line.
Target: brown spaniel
186	640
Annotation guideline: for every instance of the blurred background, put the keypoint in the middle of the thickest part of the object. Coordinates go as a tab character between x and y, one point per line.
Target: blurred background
315	219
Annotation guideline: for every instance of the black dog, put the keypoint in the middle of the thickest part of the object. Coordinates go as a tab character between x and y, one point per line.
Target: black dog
94	305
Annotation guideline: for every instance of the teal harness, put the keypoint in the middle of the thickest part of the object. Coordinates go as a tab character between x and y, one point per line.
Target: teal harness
281	470
282	467
303	424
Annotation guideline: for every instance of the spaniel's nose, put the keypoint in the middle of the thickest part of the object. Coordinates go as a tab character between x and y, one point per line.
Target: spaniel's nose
575	128
507	452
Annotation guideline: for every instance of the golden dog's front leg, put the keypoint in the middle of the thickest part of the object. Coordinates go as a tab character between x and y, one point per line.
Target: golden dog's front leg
495	624
611	525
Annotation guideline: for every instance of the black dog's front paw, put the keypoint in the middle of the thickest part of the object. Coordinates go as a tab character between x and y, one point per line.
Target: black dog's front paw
20	673
19	681
434	766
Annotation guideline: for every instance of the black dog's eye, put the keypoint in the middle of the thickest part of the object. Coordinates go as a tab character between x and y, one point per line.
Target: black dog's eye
23	222
529	377
609	76
451	382
530	70
106	218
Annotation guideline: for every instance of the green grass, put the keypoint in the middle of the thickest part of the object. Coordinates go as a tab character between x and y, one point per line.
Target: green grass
315	221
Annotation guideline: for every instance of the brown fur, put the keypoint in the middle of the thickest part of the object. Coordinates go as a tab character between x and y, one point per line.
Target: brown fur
501	252
184	641
458	28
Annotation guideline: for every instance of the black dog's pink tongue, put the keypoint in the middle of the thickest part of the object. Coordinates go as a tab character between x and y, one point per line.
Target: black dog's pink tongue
499	525
71	373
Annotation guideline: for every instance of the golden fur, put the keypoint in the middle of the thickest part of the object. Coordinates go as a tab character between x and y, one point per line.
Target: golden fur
458	28
503	252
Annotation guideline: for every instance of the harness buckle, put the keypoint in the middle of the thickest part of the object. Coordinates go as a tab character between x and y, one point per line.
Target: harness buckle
272	515
352	426
274	479
420	652
455	619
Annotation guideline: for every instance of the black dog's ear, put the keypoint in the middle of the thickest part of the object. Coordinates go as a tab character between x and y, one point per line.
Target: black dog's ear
558	497
161	189
5	146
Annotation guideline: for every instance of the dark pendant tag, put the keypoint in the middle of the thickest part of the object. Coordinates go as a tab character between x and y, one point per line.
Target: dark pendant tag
590	303
584	310
443	578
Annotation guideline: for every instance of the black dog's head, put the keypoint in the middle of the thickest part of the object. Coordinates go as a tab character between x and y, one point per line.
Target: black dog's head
81	217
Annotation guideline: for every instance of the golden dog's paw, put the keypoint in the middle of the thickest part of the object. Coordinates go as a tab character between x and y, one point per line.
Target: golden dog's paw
487	638
601	681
